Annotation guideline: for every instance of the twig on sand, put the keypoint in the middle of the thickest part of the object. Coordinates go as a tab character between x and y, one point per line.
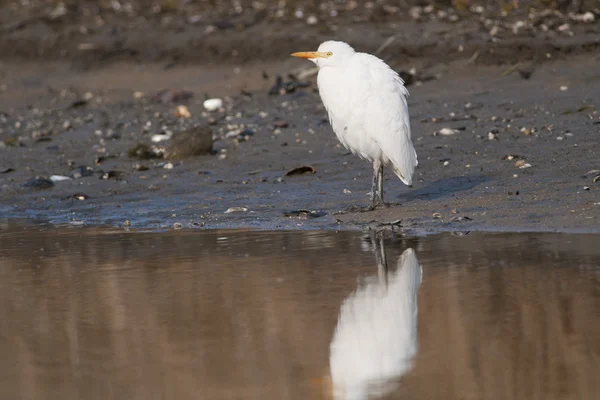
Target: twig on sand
511	69
473	58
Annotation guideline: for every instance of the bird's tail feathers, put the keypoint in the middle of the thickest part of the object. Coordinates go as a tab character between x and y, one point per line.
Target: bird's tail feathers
404	163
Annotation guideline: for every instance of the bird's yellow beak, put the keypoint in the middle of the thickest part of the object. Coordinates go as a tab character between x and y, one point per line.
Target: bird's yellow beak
310	54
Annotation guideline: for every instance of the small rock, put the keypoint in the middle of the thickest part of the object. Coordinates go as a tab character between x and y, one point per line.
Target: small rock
168	166
305	169
213	104
564	88
346	191
127	223
522	164
78	196
161	137
58	178
445	132
437	215
236	209
177	225
182	112
195	141
492	136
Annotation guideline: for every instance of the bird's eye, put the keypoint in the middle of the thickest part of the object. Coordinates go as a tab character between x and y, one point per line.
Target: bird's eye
329	54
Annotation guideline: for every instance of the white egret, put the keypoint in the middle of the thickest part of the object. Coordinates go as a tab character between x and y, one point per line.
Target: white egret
368	111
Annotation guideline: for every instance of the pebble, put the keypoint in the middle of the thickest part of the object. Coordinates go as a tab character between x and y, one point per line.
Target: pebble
437	215
346	191
492	136
182	112
161	137
213	104
177	225
236	209
445	132
58	178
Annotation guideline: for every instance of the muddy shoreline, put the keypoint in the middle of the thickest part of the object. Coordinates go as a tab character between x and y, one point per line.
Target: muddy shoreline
523	153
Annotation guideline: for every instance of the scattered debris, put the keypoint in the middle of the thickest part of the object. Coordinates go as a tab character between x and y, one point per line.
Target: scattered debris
77	196
182	111
304	214
236	209
143	152
58	178
113	174
282	87
303	170
522	164
460	219
212	104
161	137
445	132
81	172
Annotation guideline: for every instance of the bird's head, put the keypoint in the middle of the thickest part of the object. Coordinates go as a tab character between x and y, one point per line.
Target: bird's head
329	54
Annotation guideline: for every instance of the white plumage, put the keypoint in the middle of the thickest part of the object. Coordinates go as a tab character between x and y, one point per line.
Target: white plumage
368	111
376	335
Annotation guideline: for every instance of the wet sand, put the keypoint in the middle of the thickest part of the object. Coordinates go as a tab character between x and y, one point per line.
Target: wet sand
522	98
92	313
549	121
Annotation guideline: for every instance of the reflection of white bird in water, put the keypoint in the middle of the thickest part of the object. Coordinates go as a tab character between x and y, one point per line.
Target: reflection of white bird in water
366	102
376	335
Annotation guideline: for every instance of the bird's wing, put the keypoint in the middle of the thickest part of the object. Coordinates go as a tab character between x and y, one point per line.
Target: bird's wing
387	112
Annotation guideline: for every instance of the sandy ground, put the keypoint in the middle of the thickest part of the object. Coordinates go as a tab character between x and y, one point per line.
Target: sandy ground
57	114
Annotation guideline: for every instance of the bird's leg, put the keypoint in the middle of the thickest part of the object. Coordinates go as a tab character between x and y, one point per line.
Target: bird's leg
380	184
377	186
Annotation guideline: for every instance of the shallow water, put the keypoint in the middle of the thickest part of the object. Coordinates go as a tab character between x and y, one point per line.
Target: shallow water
107	314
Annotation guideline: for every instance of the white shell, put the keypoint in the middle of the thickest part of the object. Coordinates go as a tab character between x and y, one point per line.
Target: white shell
58	178
213	104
